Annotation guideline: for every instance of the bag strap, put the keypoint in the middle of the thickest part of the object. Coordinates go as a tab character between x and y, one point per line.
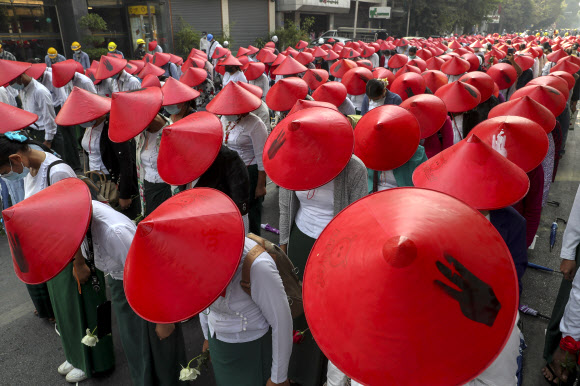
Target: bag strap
247	266
50	167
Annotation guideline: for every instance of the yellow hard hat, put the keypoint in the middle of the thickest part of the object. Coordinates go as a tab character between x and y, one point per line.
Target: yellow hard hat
140	41
566	34
545	34
75	46
538	34
112	46
52	52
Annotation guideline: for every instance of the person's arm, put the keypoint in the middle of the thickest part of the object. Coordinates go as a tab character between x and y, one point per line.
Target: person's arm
357	179
284	198
365	105
570	323
512	61
259	135
447	134
81	270
204	323
47	116
571	240
126	169
238	181
533	203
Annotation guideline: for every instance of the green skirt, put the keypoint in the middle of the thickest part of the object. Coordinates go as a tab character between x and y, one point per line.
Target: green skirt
75	313
41	299
307	363
242	364
151	361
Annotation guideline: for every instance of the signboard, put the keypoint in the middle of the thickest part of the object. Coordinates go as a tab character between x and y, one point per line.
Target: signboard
140	10
327	3
380	12
493	19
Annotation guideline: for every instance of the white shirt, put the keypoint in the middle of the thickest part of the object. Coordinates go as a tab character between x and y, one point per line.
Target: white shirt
149	155
106	88
262	82
453	78
112	234
263	113
374	58
547	68
82	81
316	209
203	44
6	97
356	100
92	145
536	68
387	180
58	95
374	104
347	108
571	237
37	99
457	123
237	76
128	82
247	137
239	318
33	185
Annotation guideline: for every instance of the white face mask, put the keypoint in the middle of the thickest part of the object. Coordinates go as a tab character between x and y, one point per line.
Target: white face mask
172	109
88	124
232	118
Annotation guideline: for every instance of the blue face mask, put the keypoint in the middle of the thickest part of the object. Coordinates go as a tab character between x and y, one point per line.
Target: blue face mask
172	109
13	176
17	86
88	124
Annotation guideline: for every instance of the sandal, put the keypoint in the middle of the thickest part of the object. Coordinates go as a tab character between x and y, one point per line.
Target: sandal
550	370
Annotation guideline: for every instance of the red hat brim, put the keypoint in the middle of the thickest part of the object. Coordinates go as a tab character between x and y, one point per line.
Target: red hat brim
526	107
14	119
109	66
284	93
315	78
430	112
481	81
82	106
289	66
193	77
435	79
254	70
331	92
503	74
36	70
232	100
356	80
459	97
455	66
175	92
569	78
160	59
230	60
150	80
556	82
547	96
10	69
408	85
132	111
397	61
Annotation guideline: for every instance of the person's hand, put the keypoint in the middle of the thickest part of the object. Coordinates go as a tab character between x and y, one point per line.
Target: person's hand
205	346
498	143
270	383
284	247
81	270
260	191
573	106
164	330
47	144
125	203
568	268
563	363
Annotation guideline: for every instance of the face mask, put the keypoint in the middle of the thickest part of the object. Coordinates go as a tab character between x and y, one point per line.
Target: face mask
232	118
412	57
88	124
172	109
12	176
17	86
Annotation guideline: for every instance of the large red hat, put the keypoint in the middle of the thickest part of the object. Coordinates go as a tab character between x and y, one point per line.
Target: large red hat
557	55
301	45
177	60
132	111
429	110
252	50
91	74
408	85
525	142
254	70
399	252
314	78
160	59
36	70
473	61
526	107
569	78
109	66
474	173
319	52
386	137
82	106
304	58
406	69
331	92
14	119
455	66
173	256
454	45
175	92
10	69
566	66
367	51
503	74
547	96
284	94
193	77
349	53
150	80
279	59
242	51
524	61
419	63
481	81
435	79
341	67
356	80
230	60
152	69
289	66
402	42
383	73
195	63
424	54
434	63
138	64
152	45
232	100
256	90
193	141
61	214
459	97
316	143
148	58
303	104
558	83
132	69
266	56
220	52
397	61
331	55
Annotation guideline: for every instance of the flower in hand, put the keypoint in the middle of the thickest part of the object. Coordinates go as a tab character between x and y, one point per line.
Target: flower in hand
298	336
90	339
190	374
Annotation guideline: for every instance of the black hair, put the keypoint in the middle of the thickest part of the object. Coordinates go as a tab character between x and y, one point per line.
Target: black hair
413	49
9	147
375	88
489	46
509	42
522	46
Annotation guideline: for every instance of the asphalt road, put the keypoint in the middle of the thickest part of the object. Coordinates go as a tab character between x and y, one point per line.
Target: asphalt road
30	350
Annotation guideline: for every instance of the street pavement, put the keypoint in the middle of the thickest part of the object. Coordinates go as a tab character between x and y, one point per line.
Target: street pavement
30	349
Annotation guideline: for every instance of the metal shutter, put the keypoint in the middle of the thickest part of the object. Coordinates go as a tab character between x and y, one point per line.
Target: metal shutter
202	15
248	21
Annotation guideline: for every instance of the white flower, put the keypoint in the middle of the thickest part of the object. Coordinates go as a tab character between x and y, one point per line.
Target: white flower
187	374
90	339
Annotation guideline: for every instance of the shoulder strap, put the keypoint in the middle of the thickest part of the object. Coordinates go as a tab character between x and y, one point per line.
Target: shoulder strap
50	167
247	266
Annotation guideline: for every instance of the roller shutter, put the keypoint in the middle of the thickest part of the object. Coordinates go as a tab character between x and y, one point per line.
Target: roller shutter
248	21
202	15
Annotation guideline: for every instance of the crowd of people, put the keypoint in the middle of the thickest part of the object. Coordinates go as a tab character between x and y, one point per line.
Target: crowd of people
164	197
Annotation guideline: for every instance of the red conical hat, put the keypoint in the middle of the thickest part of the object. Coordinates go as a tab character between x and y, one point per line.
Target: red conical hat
547	96
459	97
455	66
132	68
230	60
82	106
172	256
569	78
252	50
254	70
10	69
331	92
36	70
177	60
132	111
14	119
279	59
386	137
244	60
356	80
152	45
397	61
365	63
284	94
150	80
528	108
331	55
473	61
319	52
503	74
194	141
367	52
266	56
430	112
304	58
195	63
474	173
526	142
302	141
557	55
383	73
566	66
434	63
289	66
402	43
305	104
150	68
193	77
91	74
109	66
408	85
399	252
476	44
138	64
256	90
301	45
407	68
524	61
148	58
349	53
424	54
61	214
242	51
175	92
481	81
233	100
552	81
220	52
435	79
419	63
339	68
314	78
454	45
95	64
161	59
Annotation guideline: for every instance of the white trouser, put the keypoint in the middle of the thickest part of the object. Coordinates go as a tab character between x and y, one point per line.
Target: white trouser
335	377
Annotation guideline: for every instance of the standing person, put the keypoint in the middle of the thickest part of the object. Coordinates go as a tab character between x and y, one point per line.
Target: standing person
114	69
233	70
203	42
5	55
140	50
112	47
246	134
80	56
255	74
200	80
377	94
178	99
163	61
52	56
154	47
213	44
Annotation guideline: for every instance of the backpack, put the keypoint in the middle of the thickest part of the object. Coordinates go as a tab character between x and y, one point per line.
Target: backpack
290	281
95	195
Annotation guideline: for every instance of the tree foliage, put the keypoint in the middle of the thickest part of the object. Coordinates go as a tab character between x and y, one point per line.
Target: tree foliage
291	33
186	38
92	45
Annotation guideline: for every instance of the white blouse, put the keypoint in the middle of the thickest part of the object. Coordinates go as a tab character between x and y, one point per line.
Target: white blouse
246	137
374	104
262	82
236	77
357	100
149	155
387	180
33	185
92	145
457	123
316	209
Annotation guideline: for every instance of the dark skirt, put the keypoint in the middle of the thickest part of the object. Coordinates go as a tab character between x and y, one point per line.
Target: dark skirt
255	205
242	364
41	299
155	195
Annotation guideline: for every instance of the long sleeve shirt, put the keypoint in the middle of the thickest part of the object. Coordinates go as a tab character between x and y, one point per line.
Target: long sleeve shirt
247	137
58	95
37	99
571	238
127	82
239	318
82	81
531	205
262	82
434	145
237	76
171	70
82	58
59	58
